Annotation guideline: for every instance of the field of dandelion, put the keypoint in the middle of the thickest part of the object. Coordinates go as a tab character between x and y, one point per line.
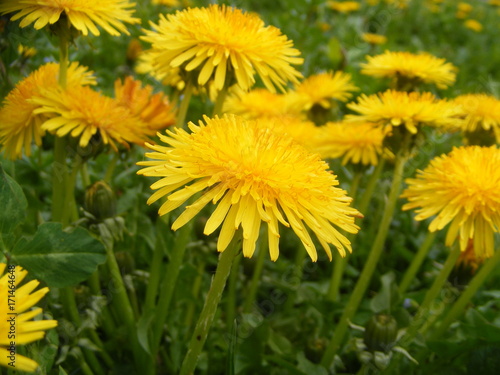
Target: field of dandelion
243	187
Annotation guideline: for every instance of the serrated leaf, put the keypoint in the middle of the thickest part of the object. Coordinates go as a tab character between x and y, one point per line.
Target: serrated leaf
13	203
60	258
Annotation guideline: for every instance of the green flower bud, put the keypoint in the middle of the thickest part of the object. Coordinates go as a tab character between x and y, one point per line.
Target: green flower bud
380	333
100	200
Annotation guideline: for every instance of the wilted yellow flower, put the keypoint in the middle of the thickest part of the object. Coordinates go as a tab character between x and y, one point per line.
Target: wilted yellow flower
480	112
320	89
344	6
374	38
253	175
395	108
261	103
418	68
154	110
223	44
19	125
461	188
16	317
473	25
356	142
85	113
82	14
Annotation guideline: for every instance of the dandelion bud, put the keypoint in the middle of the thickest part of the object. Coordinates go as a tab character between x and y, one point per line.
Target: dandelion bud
100	200
380	333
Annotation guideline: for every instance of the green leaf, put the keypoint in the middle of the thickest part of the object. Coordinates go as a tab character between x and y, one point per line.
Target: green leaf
13	203
60	258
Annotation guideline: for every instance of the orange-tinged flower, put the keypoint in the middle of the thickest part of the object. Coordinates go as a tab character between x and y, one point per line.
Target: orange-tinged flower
461	188
253	175
19	124
222	44
82	14
154	110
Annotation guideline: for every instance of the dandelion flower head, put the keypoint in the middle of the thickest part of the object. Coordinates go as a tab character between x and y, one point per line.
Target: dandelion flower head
19	125
396	108
26	330
421	68
473	25
220	43
82	14
344	6
356	142
84	113
320	89
253	175
460	189
374	38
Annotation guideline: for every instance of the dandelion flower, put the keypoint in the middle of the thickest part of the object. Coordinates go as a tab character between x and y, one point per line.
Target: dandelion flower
473	25
218	43
395	108
84	113
354	142
82	14
320	89
155	111
461	188
259	103
20	302
481	112
374	38
304	132
344	6
19	125
417	68
168	77
253	175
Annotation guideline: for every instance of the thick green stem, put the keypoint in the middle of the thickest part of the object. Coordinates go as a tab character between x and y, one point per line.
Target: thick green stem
219	102
423	311
111	168
169	284
459	306
340	262
371	262
257	272
210	308
417	262
183	108
231	292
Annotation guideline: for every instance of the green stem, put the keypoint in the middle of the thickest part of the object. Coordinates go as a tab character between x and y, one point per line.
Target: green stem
459	306
183	108
370	187
111	168
417	262
423	311
212	300
257	272
340	262
371	263
195	291
70	212
219	102
231	292
69	305
85	175
169	284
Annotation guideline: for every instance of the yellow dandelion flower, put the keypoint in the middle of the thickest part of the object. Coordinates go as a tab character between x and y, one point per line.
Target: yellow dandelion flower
82	14
168	77
461	188
473	25
374	38
155	111
19	125
320	89
220	43
360	142
395	108
26	52
15	311
344	6
253	175
480	112
169	3
300	129
464	7
261	103
494	2
85	113
420	68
